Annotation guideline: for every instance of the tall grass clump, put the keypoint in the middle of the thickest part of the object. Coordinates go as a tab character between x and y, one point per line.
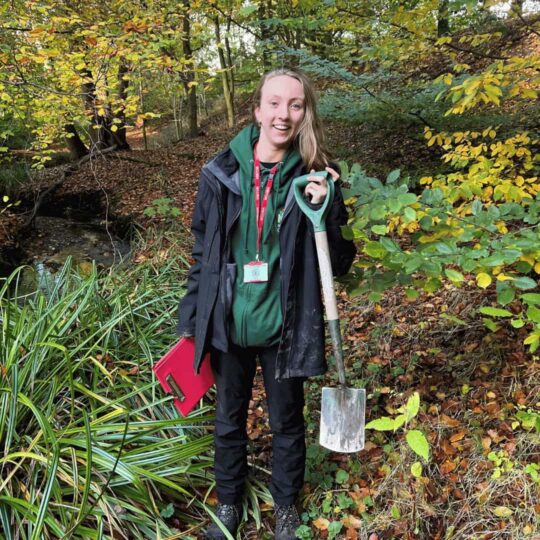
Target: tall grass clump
90	448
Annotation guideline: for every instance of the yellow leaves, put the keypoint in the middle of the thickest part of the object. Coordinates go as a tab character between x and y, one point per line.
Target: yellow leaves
501	227
503	511
537	267
444	40
483	280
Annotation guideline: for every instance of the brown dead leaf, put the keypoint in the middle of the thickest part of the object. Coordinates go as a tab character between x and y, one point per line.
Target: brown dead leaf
450	422
457	436
448	467
351	521
321	523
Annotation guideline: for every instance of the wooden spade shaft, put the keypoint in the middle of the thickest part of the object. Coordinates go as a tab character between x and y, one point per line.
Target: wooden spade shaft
330	304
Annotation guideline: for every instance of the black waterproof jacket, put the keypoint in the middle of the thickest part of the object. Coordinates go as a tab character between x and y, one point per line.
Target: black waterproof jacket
204	310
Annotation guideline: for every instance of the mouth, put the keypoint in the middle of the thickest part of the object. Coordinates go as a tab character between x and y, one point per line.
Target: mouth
281	127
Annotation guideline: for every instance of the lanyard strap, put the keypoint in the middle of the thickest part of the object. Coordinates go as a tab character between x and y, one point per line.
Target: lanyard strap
260	206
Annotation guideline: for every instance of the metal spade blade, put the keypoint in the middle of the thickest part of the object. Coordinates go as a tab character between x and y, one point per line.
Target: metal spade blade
342	419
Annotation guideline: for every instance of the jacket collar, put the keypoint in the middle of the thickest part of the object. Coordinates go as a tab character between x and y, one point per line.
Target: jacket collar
226	169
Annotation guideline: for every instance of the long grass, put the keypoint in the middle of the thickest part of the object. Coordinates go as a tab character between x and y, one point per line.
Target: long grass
90	447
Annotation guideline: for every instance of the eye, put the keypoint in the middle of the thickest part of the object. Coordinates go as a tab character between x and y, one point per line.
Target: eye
296	106
274	103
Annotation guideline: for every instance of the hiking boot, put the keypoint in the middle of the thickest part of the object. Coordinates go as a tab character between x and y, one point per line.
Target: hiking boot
287	521
229	515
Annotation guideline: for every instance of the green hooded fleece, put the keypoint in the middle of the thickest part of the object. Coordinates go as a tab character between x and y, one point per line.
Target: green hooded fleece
256	307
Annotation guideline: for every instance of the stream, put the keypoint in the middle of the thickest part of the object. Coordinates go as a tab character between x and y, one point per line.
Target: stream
53	239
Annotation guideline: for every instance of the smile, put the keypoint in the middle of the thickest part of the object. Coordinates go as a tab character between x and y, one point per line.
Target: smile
281	127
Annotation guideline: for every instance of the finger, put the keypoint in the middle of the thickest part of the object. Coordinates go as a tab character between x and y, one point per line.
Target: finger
317	179
334	174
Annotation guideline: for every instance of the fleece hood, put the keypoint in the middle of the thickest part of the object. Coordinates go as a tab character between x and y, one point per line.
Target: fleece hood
256	308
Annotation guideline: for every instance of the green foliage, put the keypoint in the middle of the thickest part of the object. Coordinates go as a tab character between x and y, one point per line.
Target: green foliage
84	428
162	207
415	438
486	240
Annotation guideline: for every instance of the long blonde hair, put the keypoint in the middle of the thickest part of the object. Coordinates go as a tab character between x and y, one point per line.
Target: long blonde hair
310	137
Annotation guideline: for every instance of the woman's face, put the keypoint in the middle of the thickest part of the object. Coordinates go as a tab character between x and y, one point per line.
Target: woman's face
281	111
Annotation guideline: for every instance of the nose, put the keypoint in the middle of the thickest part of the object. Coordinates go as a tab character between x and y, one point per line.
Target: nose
283	111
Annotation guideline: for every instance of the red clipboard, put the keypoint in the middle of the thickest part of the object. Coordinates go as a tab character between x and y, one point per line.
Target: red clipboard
176	375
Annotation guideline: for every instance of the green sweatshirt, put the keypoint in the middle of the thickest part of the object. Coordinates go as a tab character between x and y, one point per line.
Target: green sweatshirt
256	308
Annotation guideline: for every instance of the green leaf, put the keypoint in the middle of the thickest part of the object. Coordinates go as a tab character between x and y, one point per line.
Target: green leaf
379	229
533	313
395	512
375	250
517	323
418	443
382	424
342	476
412	294
167	511
416	469
454	276
410	214
407	198
496	312
490	324
530	298
334	529
399	420
412	406
525	283
393	176
394	205
374	296
505	295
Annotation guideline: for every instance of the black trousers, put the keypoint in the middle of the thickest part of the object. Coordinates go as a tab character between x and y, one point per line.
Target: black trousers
234	372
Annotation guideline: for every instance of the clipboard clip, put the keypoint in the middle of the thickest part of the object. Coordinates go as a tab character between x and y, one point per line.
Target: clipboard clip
175	389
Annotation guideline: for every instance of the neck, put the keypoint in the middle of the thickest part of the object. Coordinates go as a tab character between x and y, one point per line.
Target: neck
268	153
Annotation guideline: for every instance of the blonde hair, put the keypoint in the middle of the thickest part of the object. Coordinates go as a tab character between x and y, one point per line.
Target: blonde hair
310	137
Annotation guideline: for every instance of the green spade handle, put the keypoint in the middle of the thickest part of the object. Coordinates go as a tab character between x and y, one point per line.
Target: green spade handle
317	217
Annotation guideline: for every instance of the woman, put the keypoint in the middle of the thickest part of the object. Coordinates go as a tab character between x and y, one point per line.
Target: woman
253	291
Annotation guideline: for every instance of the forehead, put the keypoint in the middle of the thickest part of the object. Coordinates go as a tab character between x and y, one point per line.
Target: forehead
283	86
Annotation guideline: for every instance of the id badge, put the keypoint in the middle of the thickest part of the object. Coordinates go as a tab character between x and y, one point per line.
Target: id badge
255	272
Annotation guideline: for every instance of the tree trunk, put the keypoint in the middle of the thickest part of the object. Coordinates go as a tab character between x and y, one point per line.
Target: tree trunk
100	116
189	78
230	73
443	23
119	136
227	94
77	149
264	13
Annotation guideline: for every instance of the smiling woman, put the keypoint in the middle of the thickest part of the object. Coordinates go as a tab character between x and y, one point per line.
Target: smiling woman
253	292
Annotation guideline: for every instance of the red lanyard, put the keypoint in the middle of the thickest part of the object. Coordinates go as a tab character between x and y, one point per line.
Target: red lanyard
260	209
